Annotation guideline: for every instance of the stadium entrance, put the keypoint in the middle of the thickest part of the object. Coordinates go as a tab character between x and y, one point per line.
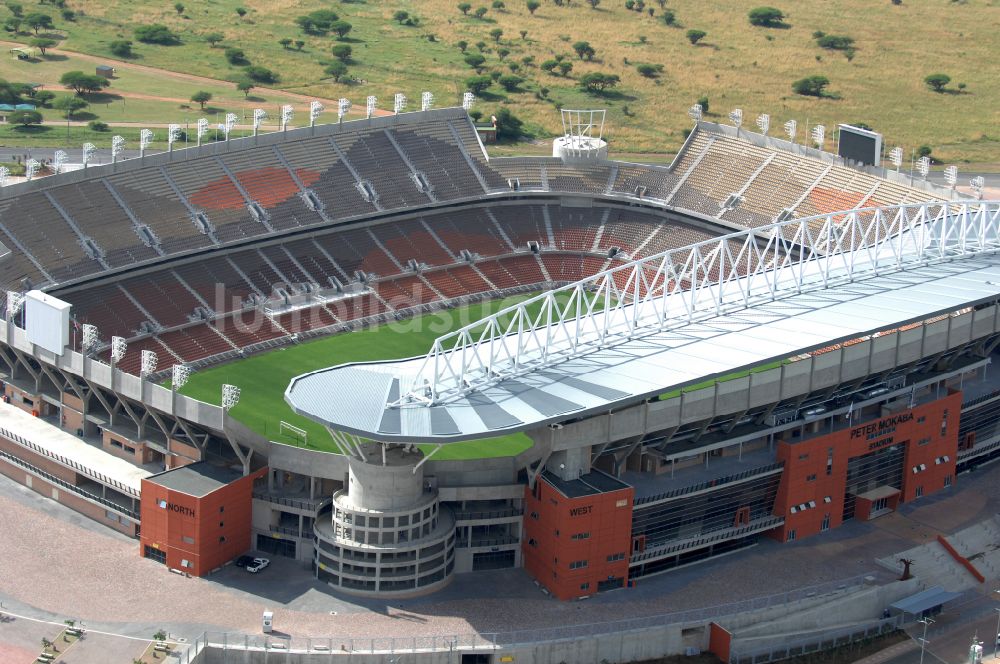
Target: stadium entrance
276	546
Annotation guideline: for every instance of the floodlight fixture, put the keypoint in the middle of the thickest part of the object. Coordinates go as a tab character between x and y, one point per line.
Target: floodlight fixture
89	149
790	128
695	112
201	128
426	101
14	302
371	104
978	183
924	166
30	168
173	134
736	117
230	396
227	128
763	123
343	106
4	173
118	348
398	103
818	135
468	99
179	376
145	138
89	339
117	147
287	111
58	159
951	175
259	114
315	108
148	362
896	157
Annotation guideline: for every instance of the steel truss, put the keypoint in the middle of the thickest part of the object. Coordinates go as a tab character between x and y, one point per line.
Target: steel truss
699	281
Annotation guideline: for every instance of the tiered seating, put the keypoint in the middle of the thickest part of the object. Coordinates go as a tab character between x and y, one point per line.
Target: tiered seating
217	283
354	308
248	329
302	320
699	142
99	217
163	297
471	230
575	229
528	170
151	200
309	255
658	182
377	160
284	263
38	226
405	291
431	149
334	183
628	231
458	281
498	274
17	272
724	170
836	191
261	275
523	224
268	183
587	178
108	309
195	343
209	189
777	187
467	134
671	236
564	267
356	250
410	240
524	269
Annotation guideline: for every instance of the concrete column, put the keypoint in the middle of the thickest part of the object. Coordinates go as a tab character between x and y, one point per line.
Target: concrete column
390	487
570	464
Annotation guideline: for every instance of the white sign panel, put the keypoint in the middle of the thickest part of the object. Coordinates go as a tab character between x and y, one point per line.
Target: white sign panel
47	321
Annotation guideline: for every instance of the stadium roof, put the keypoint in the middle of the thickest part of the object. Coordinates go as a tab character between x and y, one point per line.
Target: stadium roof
369	399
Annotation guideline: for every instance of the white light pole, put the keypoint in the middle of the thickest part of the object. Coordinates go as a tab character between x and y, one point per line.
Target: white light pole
14	302
30	168
896	157
978	183
88	153
145	138
468	99
695	113
117	147
736	117
315	108
343	106
173	133
764	123
201	128
58	159
118	348
89	337
790	128
286	116
230	397
229	124
398	103
259	114
179	375
426	101
370	105
926	622
4	173
148	362
819	136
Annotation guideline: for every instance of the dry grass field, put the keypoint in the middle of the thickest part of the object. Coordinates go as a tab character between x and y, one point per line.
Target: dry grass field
735	65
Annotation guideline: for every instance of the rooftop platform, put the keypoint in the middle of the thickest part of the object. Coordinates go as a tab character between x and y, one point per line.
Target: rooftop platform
196	479
58	442
588	484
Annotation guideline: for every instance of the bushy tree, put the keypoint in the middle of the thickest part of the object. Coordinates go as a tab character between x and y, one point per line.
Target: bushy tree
317	22
478	84
564	67
669	17
584	50
285	42
510	82
245	85
201	98
703	102
342	52
835	42
25	118
475	60
179	8
156	34
549	65
766	17
16	8
81	82
42	43
121	48
69	105
235	56
533	6
44	97
509	126
341	28
936	82
811	86
337	70
464	7
649	70
261	74
496	33
480	12
462	45
400	16
695	36
37	20
597	82
213	38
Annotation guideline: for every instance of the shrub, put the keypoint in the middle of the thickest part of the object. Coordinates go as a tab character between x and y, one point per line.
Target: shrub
44	97
342	52
337	70
936	82
464	7
496	33
156	34
703	102
549	65
695	36
648	70
25	118
478	84
811	86
584	50
565	68
597	82
97	125
236	56
213	38
669	17
475	60
481	12
69	105
285	42
509	126
510	82
533	5
261	74
924	151
121	48
400	16
766	17
835	42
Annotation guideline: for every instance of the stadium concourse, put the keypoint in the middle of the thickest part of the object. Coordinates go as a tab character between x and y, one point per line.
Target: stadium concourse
853	314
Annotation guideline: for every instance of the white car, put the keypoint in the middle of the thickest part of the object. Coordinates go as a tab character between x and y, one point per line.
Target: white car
257	565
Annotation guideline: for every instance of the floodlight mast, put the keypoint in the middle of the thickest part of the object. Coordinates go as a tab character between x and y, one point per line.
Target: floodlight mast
14	302
426	101
398	103
819	136
173	133
201	128
951	176
924	166
315	108
764	123
343	106
287	111
230	123
88	153
148	362
896	157
58	160
259	115
695	113
583	131
370	105
978	183
30	168
230	397
468	99
4	174
89	338
179	375
790	128
118	348
145	138
117	147
736	117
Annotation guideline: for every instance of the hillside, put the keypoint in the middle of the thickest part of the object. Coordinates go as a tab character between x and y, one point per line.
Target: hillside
735	65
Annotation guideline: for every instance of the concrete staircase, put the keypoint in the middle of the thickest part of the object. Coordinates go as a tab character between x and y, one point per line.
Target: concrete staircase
933	566
981	545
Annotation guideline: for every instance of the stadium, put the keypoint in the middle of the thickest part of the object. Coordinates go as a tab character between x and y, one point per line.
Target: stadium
375	349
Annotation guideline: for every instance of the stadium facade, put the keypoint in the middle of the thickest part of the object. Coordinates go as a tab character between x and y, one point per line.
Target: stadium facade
820	355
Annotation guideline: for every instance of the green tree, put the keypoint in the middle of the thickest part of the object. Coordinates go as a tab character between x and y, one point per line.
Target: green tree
835	42
241	12
565	68
13	24
214	38
766	17
669	17
201	98
594	3
648	70
399	16
319	21
342	52
464	7
475	60
156	34
703	102
299	44
160	635
499	5
245	85
36	21
337	70
509	126
235	56
341	28
510	82
524	34
44	98
477	84
16	8
481	12
81	82
42	43
597	82
261	74
285	42
549	65
584	50
121	48
695	36
811	86
179	8
936	82
69	105
496	33
462	45
533	6
503	53
25	118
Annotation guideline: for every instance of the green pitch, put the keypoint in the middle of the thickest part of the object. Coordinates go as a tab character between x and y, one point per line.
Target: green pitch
263	378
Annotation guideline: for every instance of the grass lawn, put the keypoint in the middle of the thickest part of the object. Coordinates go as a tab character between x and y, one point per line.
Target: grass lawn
263	378
735	65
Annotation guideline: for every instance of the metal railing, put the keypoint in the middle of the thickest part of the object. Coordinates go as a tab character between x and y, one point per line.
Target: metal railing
69	463
678	546
480	515
709	484
312	504
485	541
817	643
709	278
